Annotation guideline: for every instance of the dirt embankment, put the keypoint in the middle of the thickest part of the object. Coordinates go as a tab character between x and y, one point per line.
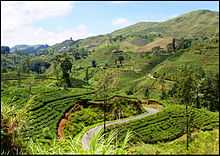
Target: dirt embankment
65	118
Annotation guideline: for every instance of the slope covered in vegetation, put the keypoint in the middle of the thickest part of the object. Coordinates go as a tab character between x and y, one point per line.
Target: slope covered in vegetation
107	77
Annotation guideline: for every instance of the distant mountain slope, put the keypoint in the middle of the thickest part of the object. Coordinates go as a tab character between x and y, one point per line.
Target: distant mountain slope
197	23
29	48
136	28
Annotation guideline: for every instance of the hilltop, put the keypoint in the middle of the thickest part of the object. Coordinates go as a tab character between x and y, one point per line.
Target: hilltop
193	24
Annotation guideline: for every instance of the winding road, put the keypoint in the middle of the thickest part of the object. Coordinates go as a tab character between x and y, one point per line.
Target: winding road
89	134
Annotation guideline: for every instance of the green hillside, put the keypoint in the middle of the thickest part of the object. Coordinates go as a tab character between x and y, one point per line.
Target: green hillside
205	23
152	82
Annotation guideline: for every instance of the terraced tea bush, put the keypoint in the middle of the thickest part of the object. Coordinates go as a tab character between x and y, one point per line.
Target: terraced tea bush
14	97
46	110
168	124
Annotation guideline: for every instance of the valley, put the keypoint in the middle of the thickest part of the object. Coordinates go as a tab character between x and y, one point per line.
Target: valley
148	88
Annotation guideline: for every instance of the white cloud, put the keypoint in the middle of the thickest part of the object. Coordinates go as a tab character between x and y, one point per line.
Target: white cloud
120	22
17	22
38	35
17	14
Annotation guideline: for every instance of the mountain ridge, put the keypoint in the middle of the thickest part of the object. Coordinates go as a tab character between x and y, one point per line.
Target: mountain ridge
196	23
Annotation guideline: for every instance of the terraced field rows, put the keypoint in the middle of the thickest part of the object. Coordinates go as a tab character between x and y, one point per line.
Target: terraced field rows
167	125
46	110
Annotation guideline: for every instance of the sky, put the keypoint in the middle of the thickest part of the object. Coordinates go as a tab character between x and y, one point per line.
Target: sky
48	22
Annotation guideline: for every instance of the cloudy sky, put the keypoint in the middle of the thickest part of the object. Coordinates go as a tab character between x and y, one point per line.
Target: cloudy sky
53	22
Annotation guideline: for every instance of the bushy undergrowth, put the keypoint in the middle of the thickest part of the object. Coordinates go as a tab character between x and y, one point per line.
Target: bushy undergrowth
12	121
98	145
80	119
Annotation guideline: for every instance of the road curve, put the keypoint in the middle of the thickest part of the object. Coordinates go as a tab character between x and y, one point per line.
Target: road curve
88	135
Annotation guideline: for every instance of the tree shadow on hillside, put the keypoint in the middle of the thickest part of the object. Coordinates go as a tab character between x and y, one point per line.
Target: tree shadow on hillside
77	83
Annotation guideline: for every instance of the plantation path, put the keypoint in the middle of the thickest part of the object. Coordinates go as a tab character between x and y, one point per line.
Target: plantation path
88	135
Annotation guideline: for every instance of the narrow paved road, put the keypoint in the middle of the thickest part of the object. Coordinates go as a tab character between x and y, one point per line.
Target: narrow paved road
88	135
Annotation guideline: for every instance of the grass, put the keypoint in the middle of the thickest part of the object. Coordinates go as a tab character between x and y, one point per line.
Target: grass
203	142
98	145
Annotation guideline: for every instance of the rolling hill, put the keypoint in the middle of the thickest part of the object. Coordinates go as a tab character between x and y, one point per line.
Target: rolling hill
111	77
205	23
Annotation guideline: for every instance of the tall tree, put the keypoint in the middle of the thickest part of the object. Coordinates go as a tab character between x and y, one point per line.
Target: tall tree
94	63
27	64
66	66
19	69
209	90
56	60
185	92
121	59
162	87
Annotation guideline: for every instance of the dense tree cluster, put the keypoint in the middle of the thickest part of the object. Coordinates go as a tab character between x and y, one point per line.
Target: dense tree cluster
197	88
80	53
5	49
37	66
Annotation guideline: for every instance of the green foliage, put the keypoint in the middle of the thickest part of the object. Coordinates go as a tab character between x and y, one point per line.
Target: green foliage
12	121
203	142
46	109
98	145
196	88
147	92
167	125
208	60
209	89
80	119
39	102
66	67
